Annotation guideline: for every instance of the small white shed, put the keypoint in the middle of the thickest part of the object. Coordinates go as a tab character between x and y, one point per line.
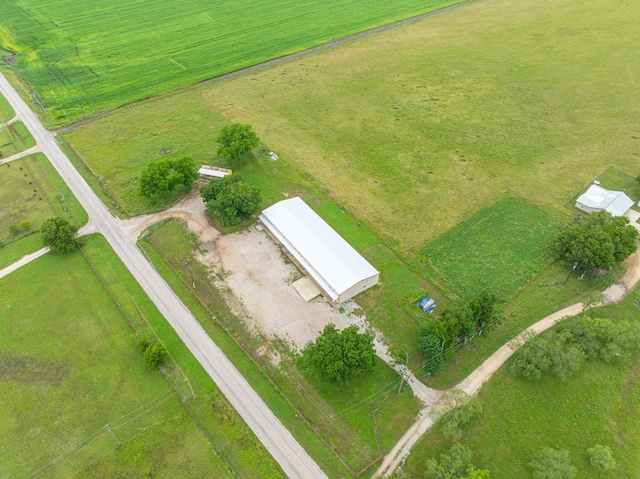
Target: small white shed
338	269
214	171
597	198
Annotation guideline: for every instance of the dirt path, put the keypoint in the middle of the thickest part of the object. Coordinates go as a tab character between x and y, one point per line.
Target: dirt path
472	383
17	156
26	259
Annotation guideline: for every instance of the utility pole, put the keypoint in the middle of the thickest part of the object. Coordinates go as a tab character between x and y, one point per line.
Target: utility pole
108	428
186	379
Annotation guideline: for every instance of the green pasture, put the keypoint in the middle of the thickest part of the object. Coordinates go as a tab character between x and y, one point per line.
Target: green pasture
599	405
82	61
499	249
230	437
310	403
31	190
67	372
6	112
14	138
416	129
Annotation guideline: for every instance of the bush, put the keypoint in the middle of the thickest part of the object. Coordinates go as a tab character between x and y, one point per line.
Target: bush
456	465
552	464
143	343
154	355
563	350
601	457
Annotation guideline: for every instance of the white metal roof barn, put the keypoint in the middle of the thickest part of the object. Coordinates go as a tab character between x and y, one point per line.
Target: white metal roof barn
339	270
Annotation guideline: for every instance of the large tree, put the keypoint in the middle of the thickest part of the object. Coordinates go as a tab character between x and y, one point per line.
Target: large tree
235	140
231	200
162	177
598	240
339	355
59	235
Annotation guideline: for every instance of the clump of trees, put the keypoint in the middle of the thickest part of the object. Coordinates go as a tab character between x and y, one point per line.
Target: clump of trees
572	342
598	240
460	323
154	353
162	177
455	465
456	409
230	199
551	463
59	235
340	355
235	140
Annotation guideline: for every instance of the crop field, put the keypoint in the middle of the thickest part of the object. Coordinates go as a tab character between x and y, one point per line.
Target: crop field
498	250
84	60
32	191
67	372
14	138
598	405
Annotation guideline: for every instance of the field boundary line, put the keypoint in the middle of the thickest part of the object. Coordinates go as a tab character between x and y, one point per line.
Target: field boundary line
267	64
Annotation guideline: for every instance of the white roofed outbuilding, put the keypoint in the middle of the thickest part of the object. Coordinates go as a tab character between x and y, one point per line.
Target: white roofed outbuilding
597	198
337	268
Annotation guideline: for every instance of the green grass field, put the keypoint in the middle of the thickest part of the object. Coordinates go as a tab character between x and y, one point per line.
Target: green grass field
597	406
418	128
499	249
84	60
32	190
6	112
14	138
67	372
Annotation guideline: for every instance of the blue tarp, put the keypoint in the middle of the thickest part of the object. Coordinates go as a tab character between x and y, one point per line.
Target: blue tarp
427	304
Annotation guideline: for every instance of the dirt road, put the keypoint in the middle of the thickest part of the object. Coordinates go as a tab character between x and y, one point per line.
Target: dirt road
472	383
293	459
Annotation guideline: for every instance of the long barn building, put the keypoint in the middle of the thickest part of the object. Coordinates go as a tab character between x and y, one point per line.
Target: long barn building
336	267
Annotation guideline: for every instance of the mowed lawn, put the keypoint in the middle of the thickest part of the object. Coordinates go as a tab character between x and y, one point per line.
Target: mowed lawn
499	249
6	112
69	365
31	190
98	57
599	405
14	138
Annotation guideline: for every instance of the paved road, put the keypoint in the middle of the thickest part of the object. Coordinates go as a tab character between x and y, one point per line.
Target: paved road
293	459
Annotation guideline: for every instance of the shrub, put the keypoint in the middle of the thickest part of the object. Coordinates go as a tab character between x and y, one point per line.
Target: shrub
600	456
552	464
154	355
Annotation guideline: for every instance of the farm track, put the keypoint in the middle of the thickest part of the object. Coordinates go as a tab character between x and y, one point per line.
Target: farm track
472	383
266	65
